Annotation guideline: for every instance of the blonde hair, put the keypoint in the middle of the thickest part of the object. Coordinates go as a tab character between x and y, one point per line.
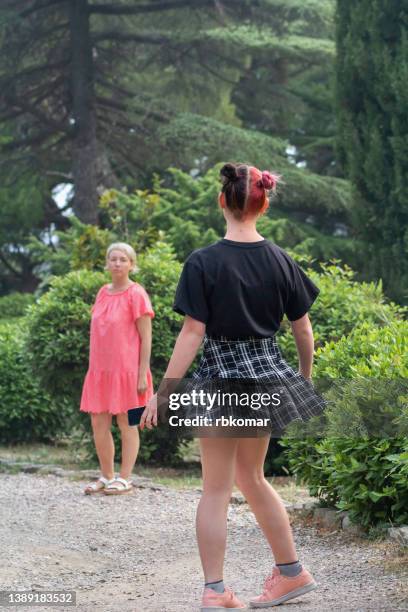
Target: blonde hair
125	248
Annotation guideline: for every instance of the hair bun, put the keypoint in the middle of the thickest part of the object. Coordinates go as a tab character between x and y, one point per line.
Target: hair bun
269	180
229	173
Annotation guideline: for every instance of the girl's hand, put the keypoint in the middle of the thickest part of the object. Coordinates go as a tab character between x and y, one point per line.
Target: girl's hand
149	416
142	383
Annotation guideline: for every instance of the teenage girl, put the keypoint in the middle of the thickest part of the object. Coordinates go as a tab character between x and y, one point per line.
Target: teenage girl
234	294
118	379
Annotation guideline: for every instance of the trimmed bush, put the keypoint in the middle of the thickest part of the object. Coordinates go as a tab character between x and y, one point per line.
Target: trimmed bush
15	304
27	412
366	477
364	474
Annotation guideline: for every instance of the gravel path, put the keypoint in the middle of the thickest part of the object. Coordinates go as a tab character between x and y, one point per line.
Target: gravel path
138	553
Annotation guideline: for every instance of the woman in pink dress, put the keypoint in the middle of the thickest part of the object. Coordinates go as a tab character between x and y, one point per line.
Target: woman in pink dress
119	378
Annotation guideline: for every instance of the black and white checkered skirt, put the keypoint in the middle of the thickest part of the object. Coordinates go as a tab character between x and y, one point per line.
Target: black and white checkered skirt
253	366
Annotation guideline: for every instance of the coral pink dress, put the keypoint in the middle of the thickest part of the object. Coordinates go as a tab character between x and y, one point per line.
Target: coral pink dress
110	384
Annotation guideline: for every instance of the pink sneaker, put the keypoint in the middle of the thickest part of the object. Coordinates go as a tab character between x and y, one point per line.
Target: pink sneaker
279	588
220	601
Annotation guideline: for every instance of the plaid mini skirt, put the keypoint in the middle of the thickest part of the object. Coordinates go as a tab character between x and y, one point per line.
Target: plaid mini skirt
251	367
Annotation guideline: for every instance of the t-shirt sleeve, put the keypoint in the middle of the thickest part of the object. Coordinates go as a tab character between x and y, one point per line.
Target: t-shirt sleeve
140	303
302	293
190	297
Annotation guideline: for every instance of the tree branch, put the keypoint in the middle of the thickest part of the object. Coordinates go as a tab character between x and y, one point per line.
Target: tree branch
9	266
33	70
26	142
26	107
150	39
118	9
39	6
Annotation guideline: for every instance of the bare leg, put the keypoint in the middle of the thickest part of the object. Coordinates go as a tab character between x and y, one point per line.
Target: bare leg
265	503
130	445
105	449
218	463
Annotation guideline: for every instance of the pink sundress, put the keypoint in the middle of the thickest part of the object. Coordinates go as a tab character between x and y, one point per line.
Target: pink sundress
110	384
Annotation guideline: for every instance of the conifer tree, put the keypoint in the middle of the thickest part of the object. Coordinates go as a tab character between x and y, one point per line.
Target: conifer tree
372	102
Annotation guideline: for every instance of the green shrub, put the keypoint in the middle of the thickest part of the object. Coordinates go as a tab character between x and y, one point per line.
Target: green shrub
27	412
79	247
364	474
342	305
368	351
366	477
15	304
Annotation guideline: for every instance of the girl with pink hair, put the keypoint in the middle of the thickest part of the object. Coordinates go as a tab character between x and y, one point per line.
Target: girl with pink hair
234	295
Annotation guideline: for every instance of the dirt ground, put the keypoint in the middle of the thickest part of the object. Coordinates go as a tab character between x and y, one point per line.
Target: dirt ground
138	552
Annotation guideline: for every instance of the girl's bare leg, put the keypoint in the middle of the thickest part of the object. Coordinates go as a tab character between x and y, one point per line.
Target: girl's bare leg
218	457
130	445
105	449
265	503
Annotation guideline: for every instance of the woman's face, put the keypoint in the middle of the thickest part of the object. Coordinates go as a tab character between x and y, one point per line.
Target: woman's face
119	264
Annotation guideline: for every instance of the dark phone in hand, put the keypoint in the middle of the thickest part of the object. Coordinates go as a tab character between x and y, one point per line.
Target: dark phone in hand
134	416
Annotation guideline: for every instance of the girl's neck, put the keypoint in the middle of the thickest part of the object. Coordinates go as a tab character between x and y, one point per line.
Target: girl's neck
242	231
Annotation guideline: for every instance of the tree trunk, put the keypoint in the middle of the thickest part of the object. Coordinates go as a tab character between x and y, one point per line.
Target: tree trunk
84	149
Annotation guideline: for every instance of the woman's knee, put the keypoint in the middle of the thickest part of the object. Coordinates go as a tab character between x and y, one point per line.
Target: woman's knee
218	495
123	423
101	423
246	479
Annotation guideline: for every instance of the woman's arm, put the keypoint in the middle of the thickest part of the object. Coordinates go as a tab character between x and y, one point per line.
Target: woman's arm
185	349
144	327
187	344
303	334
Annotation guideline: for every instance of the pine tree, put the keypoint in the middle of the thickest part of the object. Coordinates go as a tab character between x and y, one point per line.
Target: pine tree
372	102
101	79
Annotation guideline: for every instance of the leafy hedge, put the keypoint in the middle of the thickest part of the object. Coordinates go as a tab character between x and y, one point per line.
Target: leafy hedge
27	412
361	464
15	304
343	304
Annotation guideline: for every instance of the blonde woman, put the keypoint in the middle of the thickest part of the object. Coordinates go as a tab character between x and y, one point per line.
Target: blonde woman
118	381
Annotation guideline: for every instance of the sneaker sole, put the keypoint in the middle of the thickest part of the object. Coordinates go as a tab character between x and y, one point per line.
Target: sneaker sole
275	602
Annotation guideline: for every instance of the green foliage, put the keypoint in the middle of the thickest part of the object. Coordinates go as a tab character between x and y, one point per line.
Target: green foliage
15	304
343	304
371	100
361	464
27	412
368	351
81	247
366	477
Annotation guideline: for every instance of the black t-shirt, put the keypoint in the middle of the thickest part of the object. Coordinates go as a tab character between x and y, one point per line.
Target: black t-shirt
241	289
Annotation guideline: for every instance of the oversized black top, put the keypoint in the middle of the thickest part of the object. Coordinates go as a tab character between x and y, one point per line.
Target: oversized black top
241	289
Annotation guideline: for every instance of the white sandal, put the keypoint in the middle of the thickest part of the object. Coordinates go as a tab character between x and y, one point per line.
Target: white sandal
118	486
98	486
